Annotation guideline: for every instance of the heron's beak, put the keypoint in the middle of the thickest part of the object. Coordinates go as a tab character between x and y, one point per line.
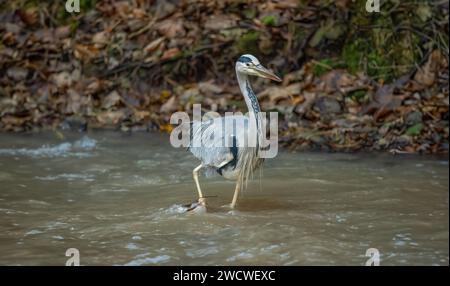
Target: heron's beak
263	72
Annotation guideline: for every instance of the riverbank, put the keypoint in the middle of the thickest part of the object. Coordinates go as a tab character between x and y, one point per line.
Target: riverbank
129	66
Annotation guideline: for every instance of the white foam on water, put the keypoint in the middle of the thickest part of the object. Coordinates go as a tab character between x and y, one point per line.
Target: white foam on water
11	211
137	180
68	177
112	190
65	149
33	232
55	225
85	143
176	209
148	164
36	202
195	253
401	239
239	256
131	246
149	260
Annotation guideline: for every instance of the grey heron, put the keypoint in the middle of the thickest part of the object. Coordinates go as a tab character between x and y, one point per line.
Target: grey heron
238	160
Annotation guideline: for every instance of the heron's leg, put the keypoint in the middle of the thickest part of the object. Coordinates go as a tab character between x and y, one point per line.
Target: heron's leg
235	196
195	175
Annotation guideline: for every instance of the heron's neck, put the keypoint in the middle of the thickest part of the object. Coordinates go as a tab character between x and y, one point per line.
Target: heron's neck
250	98
253	107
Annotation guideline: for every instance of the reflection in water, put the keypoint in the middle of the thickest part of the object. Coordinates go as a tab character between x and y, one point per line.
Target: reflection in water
118	198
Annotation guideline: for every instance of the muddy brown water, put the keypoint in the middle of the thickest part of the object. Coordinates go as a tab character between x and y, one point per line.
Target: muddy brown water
117	199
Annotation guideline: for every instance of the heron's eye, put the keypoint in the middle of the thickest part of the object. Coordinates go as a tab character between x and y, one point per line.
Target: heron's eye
247	64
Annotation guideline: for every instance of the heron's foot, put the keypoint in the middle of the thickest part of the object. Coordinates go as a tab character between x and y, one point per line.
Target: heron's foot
229	206
229	209
197	207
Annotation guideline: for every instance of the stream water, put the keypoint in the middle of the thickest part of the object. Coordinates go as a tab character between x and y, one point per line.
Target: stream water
117	198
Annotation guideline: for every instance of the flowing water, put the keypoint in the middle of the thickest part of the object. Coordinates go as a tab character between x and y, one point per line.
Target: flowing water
117	198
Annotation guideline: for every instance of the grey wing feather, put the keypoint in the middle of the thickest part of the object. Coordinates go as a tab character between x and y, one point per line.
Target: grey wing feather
211	140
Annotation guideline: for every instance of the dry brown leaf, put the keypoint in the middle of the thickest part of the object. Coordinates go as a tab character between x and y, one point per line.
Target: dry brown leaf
14	120
62	79
169	106
62	32
100	39
208	87
123	9
110	117
335	80
307	104
342	4
426	75
286	4
9	38
150	48
278	93
112	99
171	28
94	87
85	52
17	73
29	16
141	114
73	102
220	22
170	53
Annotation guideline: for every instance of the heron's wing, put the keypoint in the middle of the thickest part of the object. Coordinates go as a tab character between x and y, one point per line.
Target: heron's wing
215	141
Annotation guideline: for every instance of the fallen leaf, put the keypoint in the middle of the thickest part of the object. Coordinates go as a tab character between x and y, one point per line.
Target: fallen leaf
85	52
427	74
110	117
328	105
29	16
17	73
336	80
170	53
169	106
141	114
171	28
276	94
73	102
112	99
14	120
62	79
208	87
150	48
220	22
100	39
307	104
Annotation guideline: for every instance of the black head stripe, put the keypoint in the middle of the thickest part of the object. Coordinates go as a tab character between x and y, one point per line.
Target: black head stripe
244	59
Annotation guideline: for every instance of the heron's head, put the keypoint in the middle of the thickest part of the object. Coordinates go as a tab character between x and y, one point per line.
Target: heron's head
248	64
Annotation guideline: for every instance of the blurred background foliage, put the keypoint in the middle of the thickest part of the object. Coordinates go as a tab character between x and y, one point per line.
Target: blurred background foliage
338	33
130	63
